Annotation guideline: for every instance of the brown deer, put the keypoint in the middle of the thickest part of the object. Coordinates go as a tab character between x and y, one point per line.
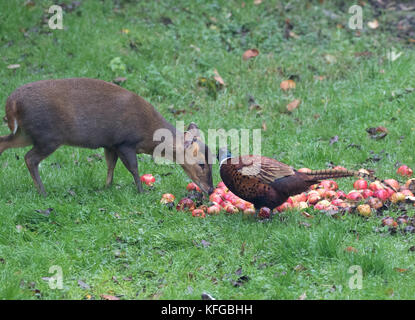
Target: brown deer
93	113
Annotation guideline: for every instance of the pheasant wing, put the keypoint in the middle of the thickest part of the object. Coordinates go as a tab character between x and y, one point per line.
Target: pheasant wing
265	169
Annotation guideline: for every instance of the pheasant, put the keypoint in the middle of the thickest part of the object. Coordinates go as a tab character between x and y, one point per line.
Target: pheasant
266	182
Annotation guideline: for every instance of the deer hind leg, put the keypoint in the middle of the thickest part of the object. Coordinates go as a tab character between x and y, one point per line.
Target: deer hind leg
17	140
32	159
111	157
128	157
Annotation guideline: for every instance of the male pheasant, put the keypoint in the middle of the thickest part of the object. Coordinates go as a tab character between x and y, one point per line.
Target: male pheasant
266	182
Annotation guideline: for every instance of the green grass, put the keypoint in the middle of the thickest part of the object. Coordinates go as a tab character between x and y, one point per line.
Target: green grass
95	234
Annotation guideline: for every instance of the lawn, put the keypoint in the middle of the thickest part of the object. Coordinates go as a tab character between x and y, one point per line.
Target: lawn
119	243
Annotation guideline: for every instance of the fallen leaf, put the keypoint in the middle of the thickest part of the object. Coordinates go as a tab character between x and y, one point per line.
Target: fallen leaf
13	66
264	126
19	228
45	212
243	248
126	31
330	58
373	24
293	104
302	297
257	2
334	139
109	297
299	268
83	285
401	270
251	53
287	85
119	80
321	78
205	243
351	249
218	78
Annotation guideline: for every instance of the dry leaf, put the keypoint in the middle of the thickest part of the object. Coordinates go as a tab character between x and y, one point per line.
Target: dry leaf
257	2
13	66
250	53
373	24
330	58
400	270
126	31
351	249
287	85
109	297
303	296
293	105
264	126
218	78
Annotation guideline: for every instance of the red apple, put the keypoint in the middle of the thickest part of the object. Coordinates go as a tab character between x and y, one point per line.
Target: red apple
198	213
300	197
219	191
390	192
322	205
376	185
192	186
229	196
360	184
366	193
341	194
339	203
231	209
249	212
375	203
284	206
213	210
382	194
216	198
404	170
330	194
264	213
148	179
221	185
241	205
392	183
407	193
302	205
354	196
167	198
313	199
329	184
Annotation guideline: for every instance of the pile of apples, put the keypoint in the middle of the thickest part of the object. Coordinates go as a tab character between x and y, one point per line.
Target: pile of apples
221	200
365	198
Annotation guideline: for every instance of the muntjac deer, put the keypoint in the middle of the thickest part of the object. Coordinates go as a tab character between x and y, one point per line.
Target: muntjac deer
93	113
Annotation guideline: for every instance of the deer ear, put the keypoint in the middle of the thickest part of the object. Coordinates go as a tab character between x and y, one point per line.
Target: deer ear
192	125
194	129
189	138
